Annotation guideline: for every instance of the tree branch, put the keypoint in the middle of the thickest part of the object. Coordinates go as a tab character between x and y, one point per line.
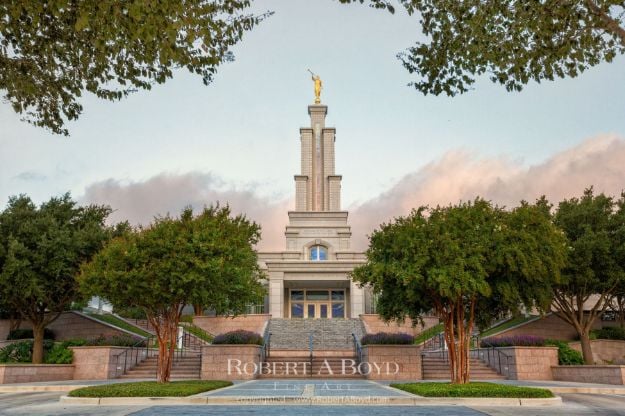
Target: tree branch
610	23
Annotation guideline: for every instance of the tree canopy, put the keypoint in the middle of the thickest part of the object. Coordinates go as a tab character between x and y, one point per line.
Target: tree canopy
595	270
511	41
53	51
467	263
208	259
41	249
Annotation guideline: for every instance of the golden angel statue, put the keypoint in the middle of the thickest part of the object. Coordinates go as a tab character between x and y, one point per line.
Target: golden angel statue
318	86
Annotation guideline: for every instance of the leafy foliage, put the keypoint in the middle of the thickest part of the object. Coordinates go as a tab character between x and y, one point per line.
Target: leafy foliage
123	340
566	354
51	52
472	390
22	352
208	259
150	389
199	332
512	41
120	323
608	332
513	341
593	225
239	336
468	263
387	338
41	249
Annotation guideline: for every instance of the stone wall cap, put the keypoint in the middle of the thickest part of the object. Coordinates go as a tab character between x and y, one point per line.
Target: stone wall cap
611	366
13	365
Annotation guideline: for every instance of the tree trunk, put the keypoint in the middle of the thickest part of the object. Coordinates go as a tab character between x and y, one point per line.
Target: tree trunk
198	310
584	338
38	343
14	322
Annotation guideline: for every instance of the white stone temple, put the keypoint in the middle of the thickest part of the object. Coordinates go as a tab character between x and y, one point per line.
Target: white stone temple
310	278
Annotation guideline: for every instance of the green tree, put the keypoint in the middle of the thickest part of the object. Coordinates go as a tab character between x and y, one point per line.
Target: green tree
466	263
512	41
41	249
52	51
594	227
208	259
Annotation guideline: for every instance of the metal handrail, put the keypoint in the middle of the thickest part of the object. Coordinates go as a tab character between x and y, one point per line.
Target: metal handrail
494	359
310	347
357	348
132	349
266	349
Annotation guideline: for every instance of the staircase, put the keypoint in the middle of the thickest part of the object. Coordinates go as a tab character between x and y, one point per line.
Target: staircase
184	368
328	334
436	367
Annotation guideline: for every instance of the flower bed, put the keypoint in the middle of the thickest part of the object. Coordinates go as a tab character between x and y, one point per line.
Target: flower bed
238	337
150	389
387	338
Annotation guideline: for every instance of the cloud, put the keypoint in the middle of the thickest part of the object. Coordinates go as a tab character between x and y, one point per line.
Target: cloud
30	175
460	175
140	202
456	176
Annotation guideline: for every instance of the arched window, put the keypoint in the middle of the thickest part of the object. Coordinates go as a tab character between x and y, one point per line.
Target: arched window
318	253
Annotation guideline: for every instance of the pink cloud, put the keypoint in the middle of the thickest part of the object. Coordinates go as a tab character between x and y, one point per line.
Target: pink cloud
456	176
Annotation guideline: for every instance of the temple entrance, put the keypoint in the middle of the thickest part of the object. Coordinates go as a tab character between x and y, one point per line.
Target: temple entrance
317	303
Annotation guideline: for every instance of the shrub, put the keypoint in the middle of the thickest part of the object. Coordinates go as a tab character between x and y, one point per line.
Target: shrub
28	334
566	354
609	332
513	341
239	337
59	354
22	352
123	340
187	318
387	339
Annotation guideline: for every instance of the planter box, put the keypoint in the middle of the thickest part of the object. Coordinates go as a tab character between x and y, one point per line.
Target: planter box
101	363
28	373
522	363
602	374
391	362
230	362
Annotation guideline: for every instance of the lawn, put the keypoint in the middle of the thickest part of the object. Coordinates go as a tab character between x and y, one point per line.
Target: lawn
505	325
478	389
428	333
120	323
150	389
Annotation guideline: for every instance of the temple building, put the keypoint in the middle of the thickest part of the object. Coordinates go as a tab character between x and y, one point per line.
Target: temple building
310	277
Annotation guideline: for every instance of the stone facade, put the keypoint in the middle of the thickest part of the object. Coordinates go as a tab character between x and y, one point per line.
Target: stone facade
316	224
28	373
601	374
230	362
216	325
374	324
605	351
522	363
392	362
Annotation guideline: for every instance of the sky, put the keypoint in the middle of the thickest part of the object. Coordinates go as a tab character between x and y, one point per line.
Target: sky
237	140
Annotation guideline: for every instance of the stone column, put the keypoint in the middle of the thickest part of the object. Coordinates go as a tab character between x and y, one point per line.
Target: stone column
357	297
276	294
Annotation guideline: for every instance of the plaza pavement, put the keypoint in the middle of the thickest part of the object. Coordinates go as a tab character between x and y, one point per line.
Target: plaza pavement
48	403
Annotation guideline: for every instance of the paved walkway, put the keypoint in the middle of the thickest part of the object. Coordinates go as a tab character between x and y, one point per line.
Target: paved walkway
308	388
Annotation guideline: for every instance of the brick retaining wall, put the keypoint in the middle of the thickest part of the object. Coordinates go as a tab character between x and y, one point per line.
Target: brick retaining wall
28	373
605	351
406	359
602	374
522	363
374	324
215	362
100	363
